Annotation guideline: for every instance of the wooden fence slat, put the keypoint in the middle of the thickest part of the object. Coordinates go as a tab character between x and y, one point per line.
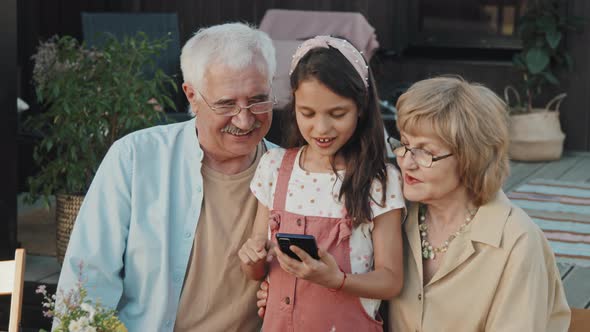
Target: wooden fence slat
564	269
556	169
519	173
579	172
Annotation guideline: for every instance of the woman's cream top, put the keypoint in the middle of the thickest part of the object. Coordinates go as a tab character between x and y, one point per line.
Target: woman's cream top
499	275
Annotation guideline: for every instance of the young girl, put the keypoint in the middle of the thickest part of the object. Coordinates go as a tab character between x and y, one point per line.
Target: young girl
332	183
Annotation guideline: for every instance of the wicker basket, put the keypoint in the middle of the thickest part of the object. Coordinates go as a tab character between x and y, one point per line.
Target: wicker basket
66	211
536	135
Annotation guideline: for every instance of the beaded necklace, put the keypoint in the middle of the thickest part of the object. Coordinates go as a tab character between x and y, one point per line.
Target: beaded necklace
428	251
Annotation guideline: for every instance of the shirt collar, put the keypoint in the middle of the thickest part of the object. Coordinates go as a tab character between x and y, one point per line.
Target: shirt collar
488	224
486	227
192	147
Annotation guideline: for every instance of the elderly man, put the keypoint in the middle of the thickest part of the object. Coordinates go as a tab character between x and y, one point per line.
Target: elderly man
158	233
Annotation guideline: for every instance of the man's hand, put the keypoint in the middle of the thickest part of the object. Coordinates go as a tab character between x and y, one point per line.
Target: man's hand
262	295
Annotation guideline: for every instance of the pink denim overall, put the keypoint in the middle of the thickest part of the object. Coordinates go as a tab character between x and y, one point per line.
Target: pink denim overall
299	305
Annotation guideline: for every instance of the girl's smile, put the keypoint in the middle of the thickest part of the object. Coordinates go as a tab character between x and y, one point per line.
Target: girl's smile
324	142
326	121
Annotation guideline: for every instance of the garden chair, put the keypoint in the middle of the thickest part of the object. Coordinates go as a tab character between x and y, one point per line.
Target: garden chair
12	274
289	28
155	25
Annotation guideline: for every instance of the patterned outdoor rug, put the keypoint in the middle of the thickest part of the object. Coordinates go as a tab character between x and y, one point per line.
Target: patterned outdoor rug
562	210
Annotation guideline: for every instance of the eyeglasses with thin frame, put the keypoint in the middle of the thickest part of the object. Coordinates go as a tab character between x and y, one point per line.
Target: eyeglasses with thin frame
420	156
232	110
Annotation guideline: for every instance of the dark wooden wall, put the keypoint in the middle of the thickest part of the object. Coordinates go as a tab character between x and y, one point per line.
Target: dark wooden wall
575	110
39	19
575	117
8	125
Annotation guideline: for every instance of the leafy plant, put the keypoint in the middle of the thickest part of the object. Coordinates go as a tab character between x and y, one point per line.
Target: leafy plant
93	97
542	31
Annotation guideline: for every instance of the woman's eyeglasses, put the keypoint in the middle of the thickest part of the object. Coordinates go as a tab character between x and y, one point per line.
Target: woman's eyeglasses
420	156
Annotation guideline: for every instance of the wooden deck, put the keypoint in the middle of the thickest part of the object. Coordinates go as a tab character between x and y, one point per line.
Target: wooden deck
573	166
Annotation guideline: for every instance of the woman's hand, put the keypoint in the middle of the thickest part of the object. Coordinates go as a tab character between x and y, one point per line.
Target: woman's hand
324	271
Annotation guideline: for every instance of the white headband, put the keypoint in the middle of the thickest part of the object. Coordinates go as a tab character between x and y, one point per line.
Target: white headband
350	52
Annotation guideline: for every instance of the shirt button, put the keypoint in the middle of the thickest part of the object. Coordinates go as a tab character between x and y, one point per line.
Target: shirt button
298	222
419	297
199	189
287	300
178	278
168	323
187	235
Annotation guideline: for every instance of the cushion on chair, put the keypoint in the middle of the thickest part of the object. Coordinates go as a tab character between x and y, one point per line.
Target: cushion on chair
580	320
283	24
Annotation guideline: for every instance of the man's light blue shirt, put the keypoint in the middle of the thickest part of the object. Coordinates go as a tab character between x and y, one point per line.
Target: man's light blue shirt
135	230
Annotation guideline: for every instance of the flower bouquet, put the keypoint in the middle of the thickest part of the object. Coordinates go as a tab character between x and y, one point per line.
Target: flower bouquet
74	312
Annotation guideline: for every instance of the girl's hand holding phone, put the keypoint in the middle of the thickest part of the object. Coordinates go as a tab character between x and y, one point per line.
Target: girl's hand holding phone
324	271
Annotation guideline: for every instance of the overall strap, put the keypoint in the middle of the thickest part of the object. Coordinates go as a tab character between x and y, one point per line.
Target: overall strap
283	179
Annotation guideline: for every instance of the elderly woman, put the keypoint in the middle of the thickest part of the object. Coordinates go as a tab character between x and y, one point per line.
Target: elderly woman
473	260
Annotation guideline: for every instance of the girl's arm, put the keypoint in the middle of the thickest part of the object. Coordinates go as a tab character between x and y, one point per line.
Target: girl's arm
253	252
384	282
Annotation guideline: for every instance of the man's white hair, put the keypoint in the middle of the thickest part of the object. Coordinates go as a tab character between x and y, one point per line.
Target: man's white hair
236	45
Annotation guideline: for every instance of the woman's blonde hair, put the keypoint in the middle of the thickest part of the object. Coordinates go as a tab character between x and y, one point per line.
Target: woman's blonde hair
471	120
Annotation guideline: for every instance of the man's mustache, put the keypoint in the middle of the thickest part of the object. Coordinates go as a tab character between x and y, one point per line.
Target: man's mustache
231	129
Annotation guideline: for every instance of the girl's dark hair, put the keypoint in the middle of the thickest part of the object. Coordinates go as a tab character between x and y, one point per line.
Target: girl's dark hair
364	153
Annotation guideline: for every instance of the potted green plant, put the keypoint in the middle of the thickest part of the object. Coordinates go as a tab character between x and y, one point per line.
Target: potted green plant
536	132
92	96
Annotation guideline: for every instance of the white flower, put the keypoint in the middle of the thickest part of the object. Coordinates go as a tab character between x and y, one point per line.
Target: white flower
42	289
79	325
89	309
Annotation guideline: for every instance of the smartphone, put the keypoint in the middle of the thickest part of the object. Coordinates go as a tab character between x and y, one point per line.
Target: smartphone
305	242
